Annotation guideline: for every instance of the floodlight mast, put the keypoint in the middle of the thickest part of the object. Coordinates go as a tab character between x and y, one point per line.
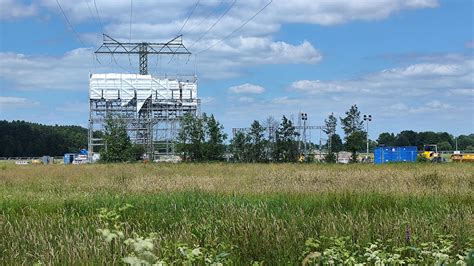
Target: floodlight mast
143	49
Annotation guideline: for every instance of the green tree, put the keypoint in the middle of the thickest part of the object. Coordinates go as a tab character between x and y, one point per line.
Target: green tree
214	146
191	137
445	136
330	157
408	138
118	147
355	142
271	126
386	139
257	141
286	145
444	146
330	129
240	146
351	122
201	138
20	138
465	141
330	125
427	137
138	150
336	143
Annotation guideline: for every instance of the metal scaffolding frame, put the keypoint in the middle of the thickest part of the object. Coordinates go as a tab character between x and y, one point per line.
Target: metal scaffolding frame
151	121
155	126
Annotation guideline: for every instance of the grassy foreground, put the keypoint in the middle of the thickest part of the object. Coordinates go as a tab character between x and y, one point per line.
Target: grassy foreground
256	212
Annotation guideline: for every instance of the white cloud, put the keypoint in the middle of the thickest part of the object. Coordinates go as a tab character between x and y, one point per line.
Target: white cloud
14	9
14	102
207	100
247	88
153	15
245	99
463	92
68	72
434	106
447	77
253	45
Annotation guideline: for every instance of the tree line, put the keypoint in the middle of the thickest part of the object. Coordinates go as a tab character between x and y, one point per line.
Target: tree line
25	139
202	138
444	140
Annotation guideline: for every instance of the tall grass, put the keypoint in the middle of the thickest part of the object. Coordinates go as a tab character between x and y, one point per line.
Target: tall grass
258	212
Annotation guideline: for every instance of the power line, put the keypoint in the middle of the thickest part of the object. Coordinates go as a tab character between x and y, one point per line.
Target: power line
215	23
69	23
190	14
98	16
131	15
237	29
130	38
206	16
90	12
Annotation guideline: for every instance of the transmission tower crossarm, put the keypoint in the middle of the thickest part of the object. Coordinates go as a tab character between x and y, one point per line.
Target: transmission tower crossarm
112	46
143	49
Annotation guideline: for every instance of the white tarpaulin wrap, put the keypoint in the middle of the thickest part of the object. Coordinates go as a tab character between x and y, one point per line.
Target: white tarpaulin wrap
126	87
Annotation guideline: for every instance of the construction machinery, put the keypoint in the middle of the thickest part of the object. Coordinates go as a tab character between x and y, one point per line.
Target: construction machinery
462	157
430	153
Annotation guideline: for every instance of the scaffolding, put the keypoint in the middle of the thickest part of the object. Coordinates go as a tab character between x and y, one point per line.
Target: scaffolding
151	106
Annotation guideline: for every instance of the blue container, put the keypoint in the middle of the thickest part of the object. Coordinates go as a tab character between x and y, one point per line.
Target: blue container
391	154
68	158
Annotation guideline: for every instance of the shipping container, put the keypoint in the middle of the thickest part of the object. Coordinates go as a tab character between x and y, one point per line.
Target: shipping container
391	154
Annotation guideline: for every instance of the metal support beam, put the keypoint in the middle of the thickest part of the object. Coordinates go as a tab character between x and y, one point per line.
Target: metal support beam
144	127
143	58
143	49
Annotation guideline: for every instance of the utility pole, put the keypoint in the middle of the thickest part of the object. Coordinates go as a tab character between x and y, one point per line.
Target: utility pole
367	119
304	117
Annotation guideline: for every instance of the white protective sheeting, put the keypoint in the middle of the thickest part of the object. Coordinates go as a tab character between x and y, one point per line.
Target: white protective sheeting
126	87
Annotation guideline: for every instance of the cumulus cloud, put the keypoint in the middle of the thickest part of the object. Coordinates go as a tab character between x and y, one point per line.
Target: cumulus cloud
417	79
254	42
247	88
217	58
14	9
67	72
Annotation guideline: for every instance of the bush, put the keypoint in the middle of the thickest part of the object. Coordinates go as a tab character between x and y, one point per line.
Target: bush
330	157
421	159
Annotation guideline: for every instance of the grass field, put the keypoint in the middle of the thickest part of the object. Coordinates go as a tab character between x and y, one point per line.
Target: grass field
256	212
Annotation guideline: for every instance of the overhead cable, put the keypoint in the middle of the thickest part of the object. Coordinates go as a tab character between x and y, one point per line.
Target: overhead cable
98	16
69	23
215	23
131	16
189	16
237	29
206	16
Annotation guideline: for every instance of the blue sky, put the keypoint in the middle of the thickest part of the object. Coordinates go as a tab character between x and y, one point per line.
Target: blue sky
409	63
